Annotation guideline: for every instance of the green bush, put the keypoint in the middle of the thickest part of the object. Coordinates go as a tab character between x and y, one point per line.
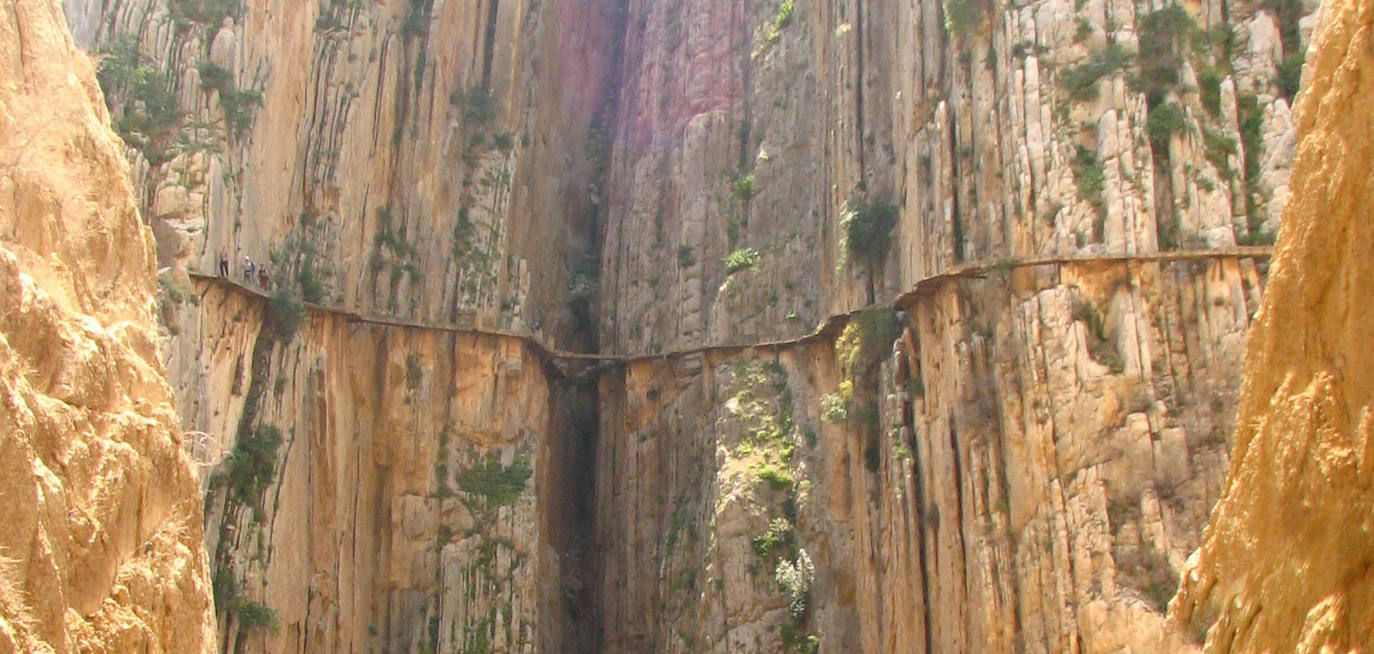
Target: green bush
212	13
743	186
1164	38
252	615
285	312
686	256
417	19
313	287
480	104
1165	121
1090	179
879	327
799	641
495	484
1081	81
249	469
779	535
1290	74
1084	31
868	229
741	259
961	16
776	477
1209	90
214	77
150	113
1219	148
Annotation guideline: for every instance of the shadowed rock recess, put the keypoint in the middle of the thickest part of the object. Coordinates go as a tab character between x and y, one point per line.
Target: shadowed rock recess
981	274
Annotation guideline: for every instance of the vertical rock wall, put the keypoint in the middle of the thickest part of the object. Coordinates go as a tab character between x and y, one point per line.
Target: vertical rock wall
101	548
371	486
1020	460
1284	566
395	506
1032	464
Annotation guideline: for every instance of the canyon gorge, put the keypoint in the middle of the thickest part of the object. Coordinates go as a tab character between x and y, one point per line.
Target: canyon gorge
695	326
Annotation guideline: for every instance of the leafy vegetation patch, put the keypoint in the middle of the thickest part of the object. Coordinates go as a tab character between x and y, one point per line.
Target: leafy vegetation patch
868	229
741	259
493	484
1090	179
149	114
1081	81
249	469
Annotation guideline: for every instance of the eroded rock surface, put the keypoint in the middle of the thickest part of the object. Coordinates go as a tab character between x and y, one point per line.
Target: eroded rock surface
1285	565
1020	460
101	548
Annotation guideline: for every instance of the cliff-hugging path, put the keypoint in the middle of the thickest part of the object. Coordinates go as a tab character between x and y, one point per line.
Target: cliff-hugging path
830	325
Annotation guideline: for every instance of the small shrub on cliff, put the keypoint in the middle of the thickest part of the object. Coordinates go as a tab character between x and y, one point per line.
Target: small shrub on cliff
212	13
741	259
876	329
794	640
1081	80
1290	74
1090	179
214	77
795	579
252	615
868	229
285	312
835	406
249	469
775	476
779	535
686	256
1165	121
496	484
961	16
150	113
481	104
743	186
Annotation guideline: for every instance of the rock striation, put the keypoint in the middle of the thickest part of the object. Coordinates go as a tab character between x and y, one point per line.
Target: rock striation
1019	459
1284	565
101	547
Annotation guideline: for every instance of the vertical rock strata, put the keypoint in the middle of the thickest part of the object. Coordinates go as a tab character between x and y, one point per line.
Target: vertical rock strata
373	486
1020	459
101	548
1285	564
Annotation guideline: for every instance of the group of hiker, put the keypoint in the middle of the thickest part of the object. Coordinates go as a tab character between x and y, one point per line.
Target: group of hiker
252	273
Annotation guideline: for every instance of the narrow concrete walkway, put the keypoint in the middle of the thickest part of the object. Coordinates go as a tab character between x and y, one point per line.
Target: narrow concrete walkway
829	327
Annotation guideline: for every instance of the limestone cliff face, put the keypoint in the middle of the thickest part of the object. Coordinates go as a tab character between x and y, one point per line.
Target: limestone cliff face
396	508
370	486
101	547
1284	566
403	158
1029	454
974	486
1019	460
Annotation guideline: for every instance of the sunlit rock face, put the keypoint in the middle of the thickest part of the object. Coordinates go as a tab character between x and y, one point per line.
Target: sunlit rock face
1284	564
101	548
1020	460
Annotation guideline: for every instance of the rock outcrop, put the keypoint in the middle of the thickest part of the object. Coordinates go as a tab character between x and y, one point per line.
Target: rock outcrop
1020	459
101	548
1023	458
1285	564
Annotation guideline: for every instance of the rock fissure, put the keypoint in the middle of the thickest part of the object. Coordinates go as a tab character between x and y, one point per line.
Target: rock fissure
564	358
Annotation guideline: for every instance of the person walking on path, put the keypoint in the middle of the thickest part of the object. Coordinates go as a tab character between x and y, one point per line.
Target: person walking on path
223	262
247	269
262	276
